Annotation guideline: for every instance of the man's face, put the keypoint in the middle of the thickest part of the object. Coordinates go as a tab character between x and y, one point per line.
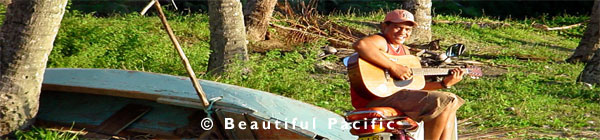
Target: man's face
397	33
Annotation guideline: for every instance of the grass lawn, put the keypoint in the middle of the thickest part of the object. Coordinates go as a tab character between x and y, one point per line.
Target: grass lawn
537	98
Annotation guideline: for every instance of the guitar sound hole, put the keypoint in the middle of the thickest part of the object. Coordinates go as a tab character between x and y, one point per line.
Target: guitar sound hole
401	83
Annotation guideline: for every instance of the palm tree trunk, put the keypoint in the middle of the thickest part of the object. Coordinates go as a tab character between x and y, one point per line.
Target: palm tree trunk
591	72
589	42
227	34
257	14
26	40
422	11
5	2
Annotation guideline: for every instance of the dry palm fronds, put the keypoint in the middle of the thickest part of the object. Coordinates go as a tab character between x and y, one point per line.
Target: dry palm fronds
306	25
304	36
544	27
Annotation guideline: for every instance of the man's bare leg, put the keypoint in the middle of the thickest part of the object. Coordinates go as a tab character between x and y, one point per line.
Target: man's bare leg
447	133
435	126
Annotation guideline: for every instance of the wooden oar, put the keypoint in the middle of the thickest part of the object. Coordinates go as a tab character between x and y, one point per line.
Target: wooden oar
188	67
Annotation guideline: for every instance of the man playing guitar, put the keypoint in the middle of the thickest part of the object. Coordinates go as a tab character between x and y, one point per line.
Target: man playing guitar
437	109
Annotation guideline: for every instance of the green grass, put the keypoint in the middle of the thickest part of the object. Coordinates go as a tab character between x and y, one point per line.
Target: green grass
138	43
292	74
129	42
44	134
544	93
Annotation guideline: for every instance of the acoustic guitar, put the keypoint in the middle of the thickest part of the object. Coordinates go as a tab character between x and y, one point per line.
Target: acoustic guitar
371	81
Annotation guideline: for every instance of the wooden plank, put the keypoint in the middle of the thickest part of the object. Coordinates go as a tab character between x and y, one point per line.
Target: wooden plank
100	91
221	118
236	132
122	118
269	131
216	132
77	108
240	133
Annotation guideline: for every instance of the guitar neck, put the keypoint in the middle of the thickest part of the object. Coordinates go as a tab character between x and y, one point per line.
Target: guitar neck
433	71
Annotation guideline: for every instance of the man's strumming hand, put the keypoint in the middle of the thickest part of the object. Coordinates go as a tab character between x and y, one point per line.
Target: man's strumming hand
400	72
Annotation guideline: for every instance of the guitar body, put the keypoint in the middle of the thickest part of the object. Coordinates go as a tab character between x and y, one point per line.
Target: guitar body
370	81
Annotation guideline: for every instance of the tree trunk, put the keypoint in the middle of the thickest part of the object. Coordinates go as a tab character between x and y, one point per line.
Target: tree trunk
227	34
422	11
589	42
5	2
257	14
26	40
591	72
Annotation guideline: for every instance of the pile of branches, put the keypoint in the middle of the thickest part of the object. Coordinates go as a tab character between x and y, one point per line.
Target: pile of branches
306	25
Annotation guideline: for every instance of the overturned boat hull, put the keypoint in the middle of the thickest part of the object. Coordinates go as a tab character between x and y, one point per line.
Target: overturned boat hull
126	103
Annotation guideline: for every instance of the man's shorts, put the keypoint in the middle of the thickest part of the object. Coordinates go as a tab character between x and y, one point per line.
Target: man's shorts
419	104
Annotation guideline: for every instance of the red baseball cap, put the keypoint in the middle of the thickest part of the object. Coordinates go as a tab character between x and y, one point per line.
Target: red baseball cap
398	16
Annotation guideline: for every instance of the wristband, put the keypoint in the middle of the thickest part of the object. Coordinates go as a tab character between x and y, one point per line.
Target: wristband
444	84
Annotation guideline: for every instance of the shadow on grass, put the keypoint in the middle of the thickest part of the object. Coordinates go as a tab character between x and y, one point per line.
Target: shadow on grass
577	91
529	43
523	41
514	56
